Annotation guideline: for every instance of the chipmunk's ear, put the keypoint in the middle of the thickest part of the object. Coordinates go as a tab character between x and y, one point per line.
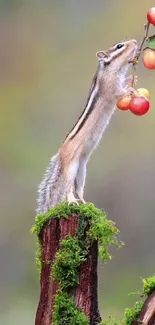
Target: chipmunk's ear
101	55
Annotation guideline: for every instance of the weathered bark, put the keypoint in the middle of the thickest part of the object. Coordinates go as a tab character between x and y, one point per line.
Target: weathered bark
147	314
85	294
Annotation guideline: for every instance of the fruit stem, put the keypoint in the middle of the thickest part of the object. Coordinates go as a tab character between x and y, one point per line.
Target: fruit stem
143	40
136	58
133	75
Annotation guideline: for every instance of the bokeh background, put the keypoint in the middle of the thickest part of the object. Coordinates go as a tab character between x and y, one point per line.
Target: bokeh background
47	62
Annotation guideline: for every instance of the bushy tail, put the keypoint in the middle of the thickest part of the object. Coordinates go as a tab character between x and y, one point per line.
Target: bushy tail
51	190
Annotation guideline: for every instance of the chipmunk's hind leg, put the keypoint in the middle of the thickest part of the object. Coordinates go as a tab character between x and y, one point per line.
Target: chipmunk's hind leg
80	180
70	174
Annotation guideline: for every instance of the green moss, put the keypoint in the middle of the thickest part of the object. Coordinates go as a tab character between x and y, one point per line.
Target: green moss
132	314
63	210
65	268
38	256
101	228
105	232
65	313
148	285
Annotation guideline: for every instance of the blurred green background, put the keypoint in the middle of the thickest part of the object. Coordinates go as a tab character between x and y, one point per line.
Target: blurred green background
47	62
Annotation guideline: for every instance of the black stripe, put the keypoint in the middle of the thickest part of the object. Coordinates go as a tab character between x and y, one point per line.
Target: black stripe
107	63
93	85
87	115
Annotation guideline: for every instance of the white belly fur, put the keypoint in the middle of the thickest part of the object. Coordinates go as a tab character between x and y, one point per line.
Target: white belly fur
94	129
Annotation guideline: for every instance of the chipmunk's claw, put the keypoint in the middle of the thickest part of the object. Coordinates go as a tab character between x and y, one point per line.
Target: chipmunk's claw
130	92
71	199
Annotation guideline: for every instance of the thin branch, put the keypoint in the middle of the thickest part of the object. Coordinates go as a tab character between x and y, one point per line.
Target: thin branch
134	61
136	58
143	40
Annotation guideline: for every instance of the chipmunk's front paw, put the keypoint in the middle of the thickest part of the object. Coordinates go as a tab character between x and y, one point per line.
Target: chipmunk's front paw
130	92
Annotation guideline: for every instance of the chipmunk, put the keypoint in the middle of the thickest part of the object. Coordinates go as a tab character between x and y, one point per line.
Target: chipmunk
65	176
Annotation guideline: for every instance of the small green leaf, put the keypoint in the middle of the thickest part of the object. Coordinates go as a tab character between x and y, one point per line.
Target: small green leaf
151	43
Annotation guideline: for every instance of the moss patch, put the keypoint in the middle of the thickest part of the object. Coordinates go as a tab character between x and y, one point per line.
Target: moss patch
131	314
68	259
148	285
65	313
101	228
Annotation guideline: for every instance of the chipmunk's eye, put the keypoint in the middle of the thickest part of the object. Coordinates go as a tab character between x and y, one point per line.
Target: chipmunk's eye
119	46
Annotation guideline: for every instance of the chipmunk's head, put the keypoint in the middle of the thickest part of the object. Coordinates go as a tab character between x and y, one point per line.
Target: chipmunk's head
118	57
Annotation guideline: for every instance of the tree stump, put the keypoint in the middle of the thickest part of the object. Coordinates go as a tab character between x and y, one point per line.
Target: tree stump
85	294
68	255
